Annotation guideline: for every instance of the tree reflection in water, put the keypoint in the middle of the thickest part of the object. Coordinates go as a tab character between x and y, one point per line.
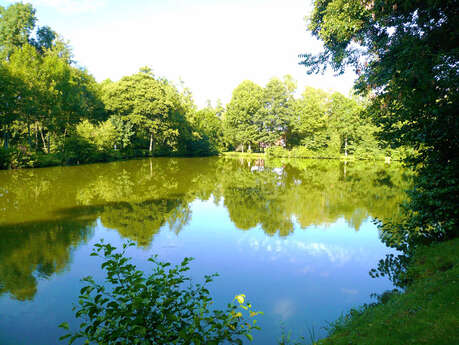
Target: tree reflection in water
44	213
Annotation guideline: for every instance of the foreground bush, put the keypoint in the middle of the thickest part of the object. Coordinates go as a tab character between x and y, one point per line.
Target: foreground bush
18	157
301	152
277	151
161	308
5	159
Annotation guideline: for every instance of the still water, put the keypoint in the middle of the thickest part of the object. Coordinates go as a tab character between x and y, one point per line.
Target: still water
297	237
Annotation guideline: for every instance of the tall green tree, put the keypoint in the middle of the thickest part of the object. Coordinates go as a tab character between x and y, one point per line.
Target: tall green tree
407	58
309	119
24	64
147	104
53	96
208	124
276	110
242	114
345	120
8	88
16	24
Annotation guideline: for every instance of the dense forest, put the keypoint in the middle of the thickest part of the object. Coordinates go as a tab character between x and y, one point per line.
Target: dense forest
54	112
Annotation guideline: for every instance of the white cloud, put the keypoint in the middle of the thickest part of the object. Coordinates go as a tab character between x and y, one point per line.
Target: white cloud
349	291
285	308
336	254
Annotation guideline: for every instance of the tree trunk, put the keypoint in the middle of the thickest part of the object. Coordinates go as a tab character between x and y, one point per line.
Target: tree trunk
49	142
151	142
249	149
28	133
63	140
36	137
43	139
5	139
242	148
345	146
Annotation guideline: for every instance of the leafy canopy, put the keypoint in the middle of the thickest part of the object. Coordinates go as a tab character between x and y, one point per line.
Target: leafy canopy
407	58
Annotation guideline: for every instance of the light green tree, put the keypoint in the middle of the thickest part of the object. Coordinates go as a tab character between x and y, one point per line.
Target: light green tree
276	112
16	24
242	113
344	114
309	119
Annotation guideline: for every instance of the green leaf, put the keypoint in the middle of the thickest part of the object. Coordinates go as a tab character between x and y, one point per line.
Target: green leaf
64	325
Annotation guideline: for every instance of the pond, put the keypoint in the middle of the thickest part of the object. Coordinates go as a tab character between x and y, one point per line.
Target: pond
296	236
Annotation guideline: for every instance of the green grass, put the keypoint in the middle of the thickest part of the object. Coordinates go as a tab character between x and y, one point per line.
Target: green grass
243	154
287	154
426	313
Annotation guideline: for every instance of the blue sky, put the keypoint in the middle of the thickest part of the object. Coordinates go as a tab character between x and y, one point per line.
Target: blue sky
212	45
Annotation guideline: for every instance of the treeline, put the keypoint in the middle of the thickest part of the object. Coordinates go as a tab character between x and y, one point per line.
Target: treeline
317	124
54	112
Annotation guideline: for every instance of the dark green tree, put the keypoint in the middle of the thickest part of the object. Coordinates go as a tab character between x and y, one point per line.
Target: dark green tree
208	125
407	59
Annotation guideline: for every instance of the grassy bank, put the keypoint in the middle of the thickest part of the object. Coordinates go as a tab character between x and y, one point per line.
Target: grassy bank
427	312
283	153
20	159
243	154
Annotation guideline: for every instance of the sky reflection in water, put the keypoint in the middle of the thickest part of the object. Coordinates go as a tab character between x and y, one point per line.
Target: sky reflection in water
296	237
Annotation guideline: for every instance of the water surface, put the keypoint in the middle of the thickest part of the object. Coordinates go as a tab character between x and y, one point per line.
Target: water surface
297	237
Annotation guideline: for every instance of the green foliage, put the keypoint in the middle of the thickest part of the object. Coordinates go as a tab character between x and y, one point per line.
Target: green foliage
276	111
22	157
164	307
309	123
407	64
208	125
46	99
151	105
276	151
16	24
240	121
5	158
48	160
79	150
103	136
301	152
